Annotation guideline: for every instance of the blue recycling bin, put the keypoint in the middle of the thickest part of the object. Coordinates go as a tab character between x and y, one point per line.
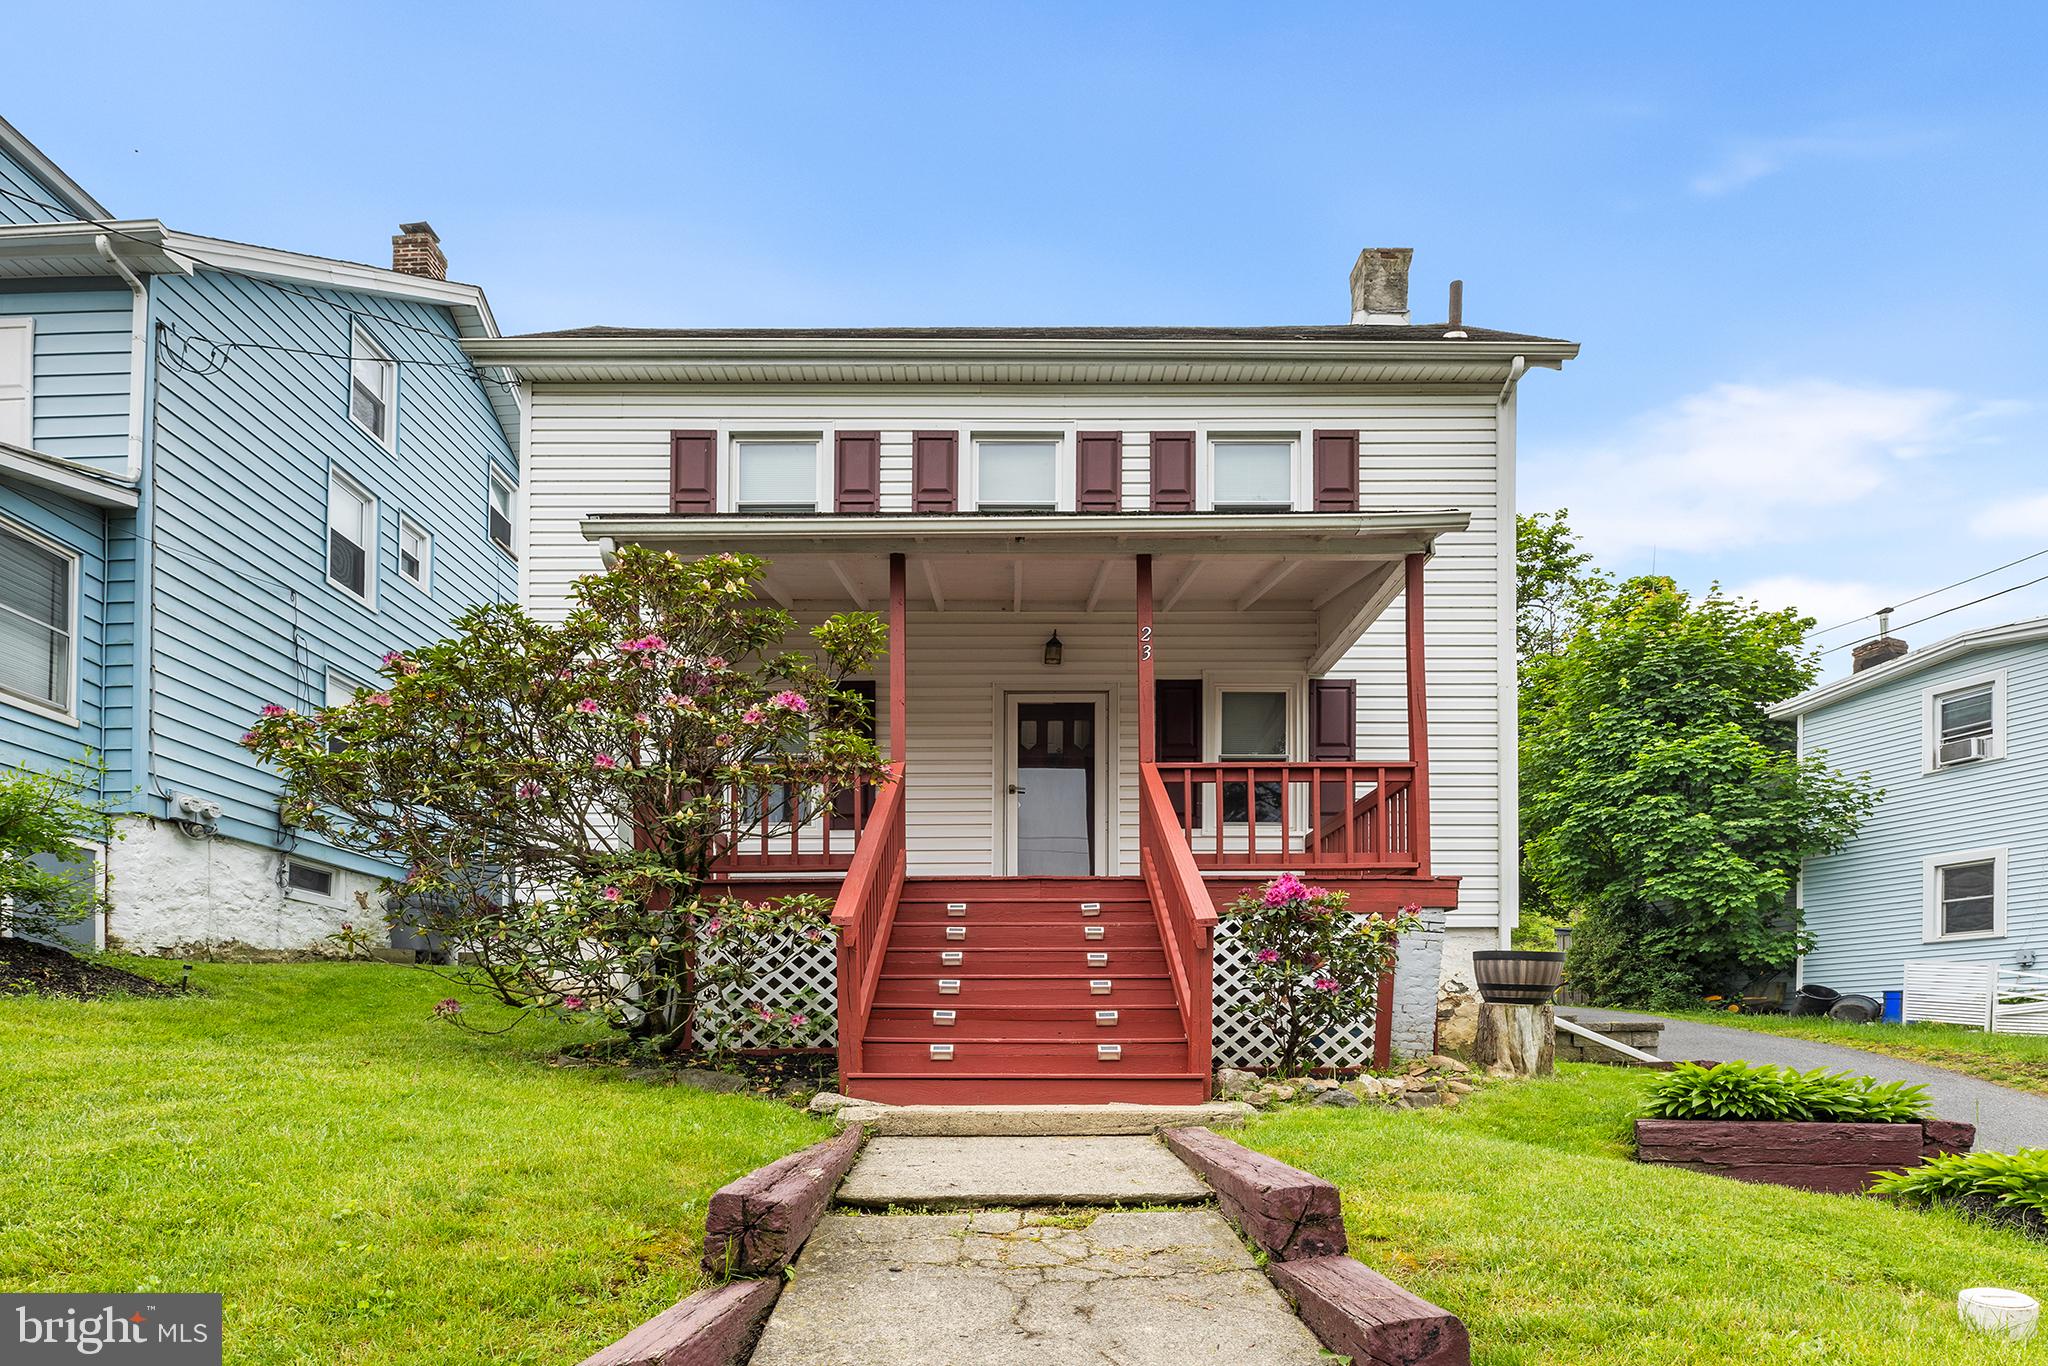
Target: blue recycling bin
1894	1007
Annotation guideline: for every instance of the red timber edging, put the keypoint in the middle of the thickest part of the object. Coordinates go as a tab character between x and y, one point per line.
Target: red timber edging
754	1227
1297	1219
1835	1159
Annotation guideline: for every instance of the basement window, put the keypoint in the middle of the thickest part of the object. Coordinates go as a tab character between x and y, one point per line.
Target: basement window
309	880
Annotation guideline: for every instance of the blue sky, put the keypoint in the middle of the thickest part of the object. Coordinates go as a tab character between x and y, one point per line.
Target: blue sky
1800	244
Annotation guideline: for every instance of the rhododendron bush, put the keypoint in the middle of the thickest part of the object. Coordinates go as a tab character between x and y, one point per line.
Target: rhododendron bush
1315	967
559	791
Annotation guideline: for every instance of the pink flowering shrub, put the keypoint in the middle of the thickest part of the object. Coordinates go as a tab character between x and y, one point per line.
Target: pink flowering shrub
559	791
744	946
1315	966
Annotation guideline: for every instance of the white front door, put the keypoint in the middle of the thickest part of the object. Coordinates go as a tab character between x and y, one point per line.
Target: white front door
1054	790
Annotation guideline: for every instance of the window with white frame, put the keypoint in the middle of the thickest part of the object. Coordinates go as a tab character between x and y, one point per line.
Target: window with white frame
1251	724
415	552
1016	474
1965	895
38	600
1964	721
772	476
17	380
1251	474
372	386
501	513
351	535
308	880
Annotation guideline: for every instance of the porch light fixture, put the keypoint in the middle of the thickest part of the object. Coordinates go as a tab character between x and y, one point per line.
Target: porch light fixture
1053	651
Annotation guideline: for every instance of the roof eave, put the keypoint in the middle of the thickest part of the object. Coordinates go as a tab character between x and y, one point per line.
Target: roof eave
1912	662
50	173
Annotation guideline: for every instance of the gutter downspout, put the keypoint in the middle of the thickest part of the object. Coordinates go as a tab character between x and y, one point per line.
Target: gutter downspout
138	340
1517	367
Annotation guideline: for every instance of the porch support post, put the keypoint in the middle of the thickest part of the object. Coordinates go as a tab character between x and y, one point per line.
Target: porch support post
899	673
1418	715
1148	731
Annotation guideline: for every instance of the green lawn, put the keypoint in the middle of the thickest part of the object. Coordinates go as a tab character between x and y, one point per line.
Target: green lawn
2017	1060
1520	1212
362	1182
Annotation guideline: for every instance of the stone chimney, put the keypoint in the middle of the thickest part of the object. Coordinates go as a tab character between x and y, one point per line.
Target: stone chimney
417	251
1379	285
1883	650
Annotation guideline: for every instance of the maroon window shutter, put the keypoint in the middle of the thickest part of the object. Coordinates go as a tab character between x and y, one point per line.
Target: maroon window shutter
858	470
1332	720
1098	471
935	472
1173	471
1177	727
693	472
1336	472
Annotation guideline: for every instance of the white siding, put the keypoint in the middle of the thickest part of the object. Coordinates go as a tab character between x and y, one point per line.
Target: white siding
604	448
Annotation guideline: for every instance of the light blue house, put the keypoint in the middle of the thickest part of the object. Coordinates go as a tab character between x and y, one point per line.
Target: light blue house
1953	865
229	476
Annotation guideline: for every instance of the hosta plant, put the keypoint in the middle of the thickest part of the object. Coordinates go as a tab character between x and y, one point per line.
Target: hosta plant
1315	967
1740	1090
2008	1187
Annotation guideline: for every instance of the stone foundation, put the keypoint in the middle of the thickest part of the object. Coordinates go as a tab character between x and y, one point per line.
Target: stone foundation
172	893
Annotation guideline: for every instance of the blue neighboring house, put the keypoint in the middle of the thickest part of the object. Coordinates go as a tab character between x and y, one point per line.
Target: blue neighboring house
229	476
1953	864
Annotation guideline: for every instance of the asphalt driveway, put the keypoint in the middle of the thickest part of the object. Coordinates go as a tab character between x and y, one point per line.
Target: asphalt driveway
2006	1119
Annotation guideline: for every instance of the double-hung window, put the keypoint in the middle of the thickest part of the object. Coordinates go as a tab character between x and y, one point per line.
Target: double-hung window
372	387
351	536
1251	726
774	476
1964	721
1016	475
38	592
500	521
415	552
1251	474
1965	895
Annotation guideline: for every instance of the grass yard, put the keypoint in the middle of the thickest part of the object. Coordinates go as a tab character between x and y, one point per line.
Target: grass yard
362	1182
1519	1212
2016	1060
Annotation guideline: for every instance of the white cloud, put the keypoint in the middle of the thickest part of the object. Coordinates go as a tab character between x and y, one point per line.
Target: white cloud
1830	602
1740	464
2023	517
1745	162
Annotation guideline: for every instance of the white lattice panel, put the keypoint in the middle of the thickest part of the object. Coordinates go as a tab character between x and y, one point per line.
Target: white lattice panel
800	972
1242	1042
1950	993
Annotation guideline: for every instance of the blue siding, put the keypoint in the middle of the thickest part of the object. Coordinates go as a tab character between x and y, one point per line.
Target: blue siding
80	393
15	177
1865	904
33	736
244	613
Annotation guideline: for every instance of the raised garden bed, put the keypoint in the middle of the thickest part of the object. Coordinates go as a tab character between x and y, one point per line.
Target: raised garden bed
1839	1159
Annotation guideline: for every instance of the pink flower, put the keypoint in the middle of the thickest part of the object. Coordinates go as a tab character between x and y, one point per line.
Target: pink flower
642	719
605	761
1412	907
715	662
1269	956
528	789
448	1008
669	699
754	716
722	741
791	701
1283	889
573	1003
799	1021
588	704
611	894
564	674
1317	893
248	737
1325	984
394	657
274	710
382	699
713	925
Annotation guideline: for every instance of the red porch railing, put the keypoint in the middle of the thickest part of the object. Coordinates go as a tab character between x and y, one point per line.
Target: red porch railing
1280	816
795	834
1185	912
865	912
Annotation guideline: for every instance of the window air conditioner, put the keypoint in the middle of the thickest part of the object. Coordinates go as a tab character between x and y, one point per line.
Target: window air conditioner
1968	750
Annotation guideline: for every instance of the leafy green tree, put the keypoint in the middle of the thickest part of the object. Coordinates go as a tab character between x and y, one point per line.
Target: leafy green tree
558	792
1558	588
46	815
1664	806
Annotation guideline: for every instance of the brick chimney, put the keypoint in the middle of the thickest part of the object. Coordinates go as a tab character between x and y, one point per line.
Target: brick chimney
1379	285
417	251
1883	650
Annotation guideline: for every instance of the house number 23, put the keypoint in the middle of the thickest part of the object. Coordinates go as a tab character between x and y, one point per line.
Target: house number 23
1144	642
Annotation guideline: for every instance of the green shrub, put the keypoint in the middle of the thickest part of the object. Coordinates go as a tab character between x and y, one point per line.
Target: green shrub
2007	1182
1738	1090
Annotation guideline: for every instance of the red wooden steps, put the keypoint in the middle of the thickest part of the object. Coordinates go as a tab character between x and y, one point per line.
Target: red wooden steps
1021	1015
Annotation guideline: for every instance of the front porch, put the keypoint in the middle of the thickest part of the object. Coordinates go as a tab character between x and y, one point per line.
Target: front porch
1100	733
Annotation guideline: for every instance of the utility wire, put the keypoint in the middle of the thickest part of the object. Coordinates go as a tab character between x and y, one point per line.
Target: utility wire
1826	630
1943	612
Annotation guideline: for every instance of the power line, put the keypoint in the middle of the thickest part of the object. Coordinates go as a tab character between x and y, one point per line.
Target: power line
1826	630
1944	611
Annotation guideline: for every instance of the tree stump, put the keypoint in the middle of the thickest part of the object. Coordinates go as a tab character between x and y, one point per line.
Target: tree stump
1515	1041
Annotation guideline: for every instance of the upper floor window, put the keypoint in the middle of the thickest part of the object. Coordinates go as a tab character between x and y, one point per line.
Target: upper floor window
17	380
1016	475
774	476
351	535
1965	895
372	386
1965	721
1251	475
501	513
38	593
415	552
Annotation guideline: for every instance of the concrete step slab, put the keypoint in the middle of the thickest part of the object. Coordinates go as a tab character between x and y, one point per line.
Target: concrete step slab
959	1121
964	1172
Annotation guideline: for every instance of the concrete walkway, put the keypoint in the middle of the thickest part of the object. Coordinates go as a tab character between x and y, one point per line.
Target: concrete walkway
1060	1287
2006	1119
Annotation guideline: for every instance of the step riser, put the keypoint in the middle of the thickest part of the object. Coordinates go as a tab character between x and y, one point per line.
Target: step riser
1025	1022
971	1090
1024	1059
981	961
1052	912
1048	992
1032	936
